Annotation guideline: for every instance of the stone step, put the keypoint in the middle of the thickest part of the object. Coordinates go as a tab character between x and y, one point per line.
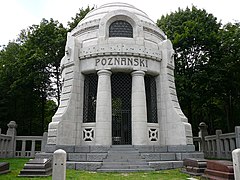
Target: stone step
123	152
161	165
117	166
122	156
123	160
122	146
126	163
125	170
36	172
37	167
122	149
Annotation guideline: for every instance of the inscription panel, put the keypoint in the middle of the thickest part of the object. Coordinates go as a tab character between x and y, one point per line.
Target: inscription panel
121	61
120	64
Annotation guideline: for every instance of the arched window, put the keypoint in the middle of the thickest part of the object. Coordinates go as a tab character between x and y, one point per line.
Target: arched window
120	29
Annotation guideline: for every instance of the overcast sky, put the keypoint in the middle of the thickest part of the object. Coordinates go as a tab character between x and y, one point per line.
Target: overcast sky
16	15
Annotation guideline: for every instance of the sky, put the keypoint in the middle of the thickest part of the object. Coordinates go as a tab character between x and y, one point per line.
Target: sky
16	15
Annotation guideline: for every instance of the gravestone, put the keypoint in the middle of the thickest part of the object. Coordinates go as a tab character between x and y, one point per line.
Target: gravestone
37	167
194	166
219	169
59	165
236	163
4	167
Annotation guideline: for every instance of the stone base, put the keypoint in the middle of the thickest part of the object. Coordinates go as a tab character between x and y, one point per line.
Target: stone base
87	166
77	149
37	167
163	149
162	165
221	170
140	148
91	157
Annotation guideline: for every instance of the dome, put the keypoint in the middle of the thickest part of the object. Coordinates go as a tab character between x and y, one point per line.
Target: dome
100	12
118	28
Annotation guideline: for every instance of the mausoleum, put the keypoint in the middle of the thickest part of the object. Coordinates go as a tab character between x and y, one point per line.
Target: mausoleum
118	85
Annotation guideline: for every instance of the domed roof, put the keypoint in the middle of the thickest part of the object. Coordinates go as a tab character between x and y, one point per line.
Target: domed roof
100	12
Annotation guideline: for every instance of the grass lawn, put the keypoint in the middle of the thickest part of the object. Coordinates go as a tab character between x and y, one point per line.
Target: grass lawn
17	164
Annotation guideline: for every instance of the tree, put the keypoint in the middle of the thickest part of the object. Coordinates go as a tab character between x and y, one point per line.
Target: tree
30	75
78	17
9	57
45	46
226	79
193	33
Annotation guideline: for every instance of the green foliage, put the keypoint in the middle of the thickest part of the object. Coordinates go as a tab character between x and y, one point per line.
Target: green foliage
30	75
204	56
46	43
226	77
78	17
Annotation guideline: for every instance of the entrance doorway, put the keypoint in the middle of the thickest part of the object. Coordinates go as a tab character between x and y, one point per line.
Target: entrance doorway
121	108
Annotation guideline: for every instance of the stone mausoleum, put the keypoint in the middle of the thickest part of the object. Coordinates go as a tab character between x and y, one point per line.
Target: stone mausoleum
118	88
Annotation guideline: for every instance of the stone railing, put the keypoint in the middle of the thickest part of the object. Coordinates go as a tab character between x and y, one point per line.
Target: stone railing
29	145
5	142
219	145
20	146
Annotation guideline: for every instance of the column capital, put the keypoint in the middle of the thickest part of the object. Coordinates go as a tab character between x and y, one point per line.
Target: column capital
104	72
138	73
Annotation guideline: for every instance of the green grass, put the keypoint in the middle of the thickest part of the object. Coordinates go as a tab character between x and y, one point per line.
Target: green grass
16	166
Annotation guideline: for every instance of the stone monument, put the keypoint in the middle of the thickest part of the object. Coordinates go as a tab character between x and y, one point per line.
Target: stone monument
118	85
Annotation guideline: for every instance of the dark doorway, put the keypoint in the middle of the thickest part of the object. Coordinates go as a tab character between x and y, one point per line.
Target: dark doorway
121	108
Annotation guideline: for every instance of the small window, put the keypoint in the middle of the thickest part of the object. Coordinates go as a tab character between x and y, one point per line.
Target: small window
151	99
120	29
90	97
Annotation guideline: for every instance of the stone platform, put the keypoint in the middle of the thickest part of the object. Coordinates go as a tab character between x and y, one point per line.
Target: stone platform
219	170
125	158
37	167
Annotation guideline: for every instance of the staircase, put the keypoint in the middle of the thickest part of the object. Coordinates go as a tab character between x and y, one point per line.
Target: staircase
124	158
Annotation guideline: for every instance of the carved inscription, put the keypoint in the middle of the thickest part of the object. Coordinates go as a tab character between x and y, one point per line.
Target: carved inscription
121	61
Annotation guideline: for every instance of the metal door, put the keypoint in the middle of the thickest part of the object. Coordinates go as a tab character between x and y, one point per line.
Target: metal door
121	108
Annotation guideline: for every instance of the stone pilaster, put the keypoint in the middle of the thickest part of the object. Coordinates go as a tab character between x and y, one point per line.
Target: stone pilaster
104	109
139	109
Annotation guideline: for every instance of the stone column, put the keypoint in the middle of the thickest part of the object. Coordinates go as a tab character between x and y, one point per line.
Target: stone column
23	151
33	148
139	109
104	109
